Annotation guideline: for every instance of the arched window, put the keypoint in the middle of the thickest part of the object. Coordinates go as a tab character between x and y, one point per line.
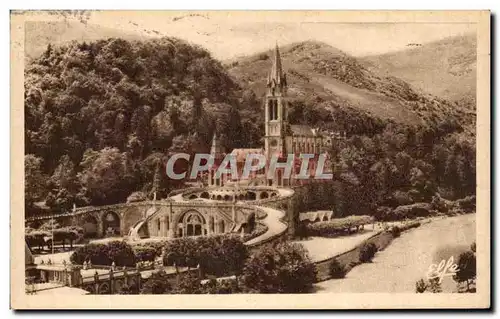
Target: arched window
111	223
194	224
204	195
90	227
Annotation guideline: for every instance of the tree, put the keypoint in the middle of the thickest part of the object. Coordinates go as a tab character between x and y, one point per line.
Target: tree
279	268
188	283
420	286
103	175
367	252
434	285
118	252
466	268
157	284
337	270
34	180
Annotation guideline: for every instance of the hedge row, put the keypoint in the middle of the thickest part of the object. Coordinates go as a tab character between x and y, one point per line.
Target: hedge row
105	254
404	212
337	226
217	255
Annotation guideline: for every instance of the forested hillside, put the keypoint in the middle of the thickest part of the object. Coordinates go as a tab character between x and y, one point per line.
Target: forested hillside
99	116
102	116
404	146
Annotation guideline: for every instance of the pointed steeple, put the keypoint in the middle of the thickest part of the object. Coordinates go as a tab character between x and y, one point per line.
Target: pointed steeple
213	149
216	149
277	71
277	78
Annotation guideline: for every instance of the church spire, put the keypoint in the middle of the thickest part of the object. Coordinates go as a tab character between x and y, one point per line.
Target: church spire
277	71
276	78
216	149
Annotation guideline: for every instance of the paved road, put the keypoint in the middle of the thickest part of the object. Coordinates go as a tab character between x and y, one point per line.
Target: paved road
273	223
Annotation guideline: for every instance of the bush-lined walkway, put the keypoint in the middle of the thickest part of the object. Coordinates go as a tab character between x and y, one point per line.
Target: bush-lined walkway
321	248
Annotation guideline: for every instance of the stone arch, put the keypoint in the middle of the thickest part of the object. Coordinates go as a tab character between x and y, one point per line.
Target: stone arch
251	196
264	195
104	289
90	225
118	285
241	197
111	223
204	195
274	194
219	197
193	196
193	223
325	218
227	197
90	288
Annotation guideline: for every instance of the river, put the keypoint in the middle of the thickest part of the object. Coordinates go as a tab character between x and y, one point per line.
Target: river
407	258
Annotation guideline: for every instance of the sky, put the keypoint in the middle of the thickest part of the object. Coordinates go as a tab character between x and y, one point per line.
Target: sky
232	34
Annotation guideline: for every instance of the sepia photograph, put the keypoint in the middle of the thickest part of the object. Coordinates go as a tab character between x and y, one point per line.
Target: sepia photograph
308	155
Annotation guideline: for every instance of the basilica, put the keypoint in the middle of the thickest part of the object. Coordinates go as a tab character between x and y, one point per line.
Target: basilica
281	138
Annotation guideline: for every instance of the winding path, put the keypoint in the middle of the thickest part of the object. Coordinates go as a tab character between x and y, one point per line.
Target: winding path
275	226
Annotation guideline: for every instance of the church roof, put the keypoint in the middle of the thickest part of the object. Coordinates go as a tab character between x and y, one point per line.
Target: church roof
241	153
303	130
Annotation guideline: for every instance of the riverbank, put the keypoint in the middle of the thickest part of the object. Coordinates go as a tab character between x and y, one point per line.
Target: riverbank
407	258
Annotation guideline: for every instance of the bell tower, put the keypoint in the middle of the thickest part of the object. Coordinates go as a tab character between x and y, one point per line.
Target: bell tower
276	108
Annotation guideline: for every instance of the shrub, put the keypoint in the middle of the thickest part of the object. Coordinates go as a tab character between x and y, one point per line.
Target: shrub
145	253
337	270
420	286
216	255
280	268
466	268
157	284
104	254
189	283
156	245
395	231
410	211
468	204
337	226
221	287
367	252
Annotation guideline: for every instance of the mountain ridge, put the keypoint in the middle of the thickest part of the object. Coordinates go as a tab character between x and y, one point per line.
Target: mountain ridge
445	68
319	71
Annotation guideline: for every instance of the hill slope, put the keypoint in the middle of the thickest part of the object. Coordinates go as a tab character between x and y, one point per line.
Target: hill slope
328	81
446	68
108	110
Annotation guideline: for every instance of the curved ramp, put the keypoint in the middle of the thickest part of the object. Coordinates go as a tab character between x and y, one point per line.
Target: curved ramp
275	227
134	231
133	234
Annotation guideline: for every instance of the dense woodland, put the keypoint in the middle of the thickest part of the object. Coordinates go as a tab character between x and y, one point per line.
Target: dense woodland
101	119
